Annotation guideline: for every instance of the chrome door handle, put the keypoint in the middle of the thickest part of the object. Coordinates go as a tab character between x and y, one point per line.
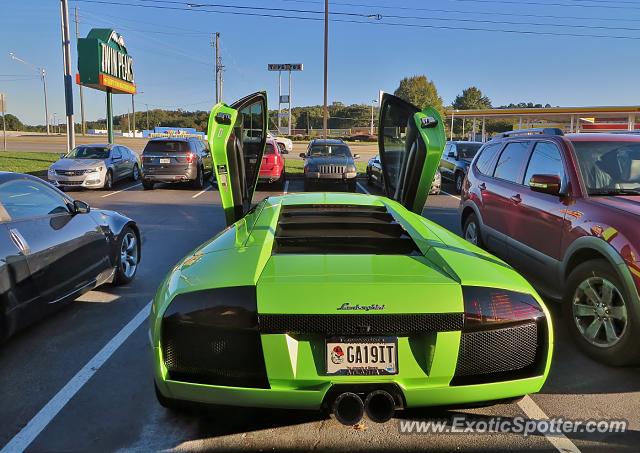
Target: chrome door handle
516	199
482	186
19	241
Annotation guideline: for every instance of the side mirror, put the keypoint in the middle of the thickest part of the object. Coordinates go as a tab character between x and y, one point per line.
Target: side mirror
303	155
549	184
62	156
356	156
284	151
80	207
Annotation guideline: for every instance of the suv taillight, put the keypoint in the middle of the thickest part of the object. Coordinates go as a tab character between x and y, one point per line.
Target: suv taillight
191	157
490	307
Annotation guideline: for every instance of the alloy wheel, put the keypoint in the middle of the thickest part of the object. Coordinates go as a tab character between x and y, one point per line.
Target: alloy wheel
129	254
471	233
600	312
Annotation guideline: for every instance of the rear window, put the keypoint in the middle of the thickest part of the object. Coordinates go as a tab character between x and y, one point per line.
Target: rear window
511	161
167	146
269	149
485	159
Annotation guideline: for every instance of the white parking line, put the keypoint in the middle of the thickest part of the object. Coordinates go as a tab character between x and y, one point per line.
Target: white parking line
286	186
201	192
39	422
118	191
558	440
447	193
363	188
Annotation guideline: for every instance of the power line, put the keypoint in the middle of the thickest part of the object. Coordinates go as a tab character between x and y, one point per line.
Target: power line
377	22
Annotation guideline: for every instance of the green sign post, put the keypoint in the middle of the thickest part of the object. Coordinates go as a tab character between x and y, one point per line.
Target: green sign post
104	64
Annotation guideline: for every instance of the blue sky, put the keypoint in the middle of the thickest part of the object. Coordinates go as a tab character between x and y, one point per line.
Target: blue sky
174	60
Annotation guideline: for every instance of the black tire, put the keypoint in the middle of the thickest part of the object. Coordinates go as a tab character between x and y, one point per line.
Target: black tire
596	274
169	403
147	185
135	173
198	183
369	179
108	181
459	180
351	186
126	271
307	186
472	228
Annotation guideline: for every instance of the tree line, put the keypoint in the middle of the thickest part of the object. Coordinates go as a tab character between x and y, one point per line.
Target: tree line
418	90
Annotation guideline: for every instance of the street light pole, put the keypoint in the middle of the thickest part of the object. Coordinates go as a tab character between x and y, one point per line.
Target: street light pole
84	124
68	80
373	101
42	73
325	110
147	106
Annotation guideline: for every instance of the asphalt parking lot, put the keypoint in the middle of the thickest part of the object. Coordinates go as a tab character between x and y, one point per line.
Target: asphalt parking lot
112	406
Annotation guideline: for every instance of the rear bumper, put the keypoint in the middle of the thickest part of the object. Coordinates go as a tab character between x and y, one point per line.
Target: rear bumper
167	176
270	176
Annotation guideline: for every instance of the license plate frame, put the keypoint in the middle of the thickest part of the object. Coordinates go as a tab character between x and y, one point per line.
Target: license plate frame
332	368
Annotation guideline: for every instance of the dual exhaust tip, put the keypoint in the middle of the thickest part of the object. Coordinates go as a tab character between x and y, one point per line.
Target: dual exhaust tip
349	408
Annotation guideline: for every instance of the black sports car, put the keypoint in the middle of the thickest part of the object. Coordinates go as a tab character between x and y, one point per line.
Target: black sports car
54	248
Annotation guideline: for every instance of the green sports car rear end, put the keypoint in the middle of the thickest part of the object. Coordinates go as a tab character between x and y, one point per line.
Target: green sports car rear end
348	303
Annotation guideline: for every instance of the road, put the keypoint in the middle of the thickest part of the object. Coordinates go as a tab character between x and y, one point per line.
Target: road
116	408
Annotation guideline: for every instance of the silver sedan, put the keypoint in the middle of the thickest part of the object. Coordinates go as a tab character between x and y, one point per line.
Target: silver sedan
94	167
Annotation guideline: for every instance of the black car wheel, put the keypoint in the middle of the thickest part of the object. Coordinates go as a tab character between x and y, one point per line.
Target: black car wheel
307	186
369	179
135	173
351	186
459	181
600	314
471	230
128	256
108	181
198	183
147	185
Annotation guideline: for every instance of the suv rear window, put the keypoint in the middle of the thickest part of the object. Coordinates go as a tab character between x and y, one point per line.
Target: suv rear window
167	146
510	162
269	149
485	159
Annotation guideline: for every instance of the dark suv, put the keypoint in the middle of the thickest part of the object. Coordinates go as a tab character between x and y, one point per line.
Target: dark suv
456	159
329	161
176	160
565	211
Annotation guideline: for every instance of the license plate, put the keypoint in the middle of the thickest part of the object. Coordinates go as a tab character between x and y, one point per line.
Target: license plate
362	356
165	161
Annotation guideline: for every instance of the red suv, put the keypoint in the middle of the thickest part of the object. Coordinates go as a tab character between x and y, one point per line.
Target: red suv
272	167
565	211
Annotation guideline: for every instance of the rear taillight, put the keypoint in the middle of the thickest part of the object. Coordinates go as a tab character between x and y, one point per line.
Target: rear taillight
486	308
191	158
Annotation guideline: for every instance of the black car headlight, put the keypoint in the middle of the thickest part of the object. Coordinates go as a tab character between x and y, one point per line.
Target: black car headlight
504	337
212	337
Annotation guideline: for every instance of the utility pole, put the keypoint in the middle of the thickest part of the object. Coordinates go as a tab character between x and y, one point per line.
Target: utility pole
133	114
68	80
373	101
215	43
290	108
279	99
215	63
43	77
84	124
147	106
325	110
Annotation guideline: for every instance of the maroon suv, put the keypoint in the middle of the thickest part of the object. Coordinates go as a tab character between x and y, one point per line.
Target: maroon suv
565	211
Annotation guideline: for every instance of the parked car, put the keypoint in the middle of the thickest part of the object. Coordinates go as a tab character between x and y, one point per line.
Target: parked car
171	160
94	167
329	162
376	177
362	138
54	248
272	167
286	145
456	159
565	210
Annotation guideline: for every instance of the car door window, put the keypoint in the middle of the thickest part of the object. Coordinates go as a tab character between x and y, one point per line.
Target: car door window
545	160
23	199
115	153
511	161
485	160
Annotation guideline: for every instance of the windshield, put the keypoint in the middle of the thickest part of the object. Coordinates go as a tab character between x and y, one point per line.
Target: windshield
330	151
467	150
609	168
89	152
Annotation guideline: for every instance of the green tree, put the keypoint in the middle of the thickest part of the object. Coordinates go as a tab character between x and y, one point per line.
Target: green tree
420	91
471	98
12	122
